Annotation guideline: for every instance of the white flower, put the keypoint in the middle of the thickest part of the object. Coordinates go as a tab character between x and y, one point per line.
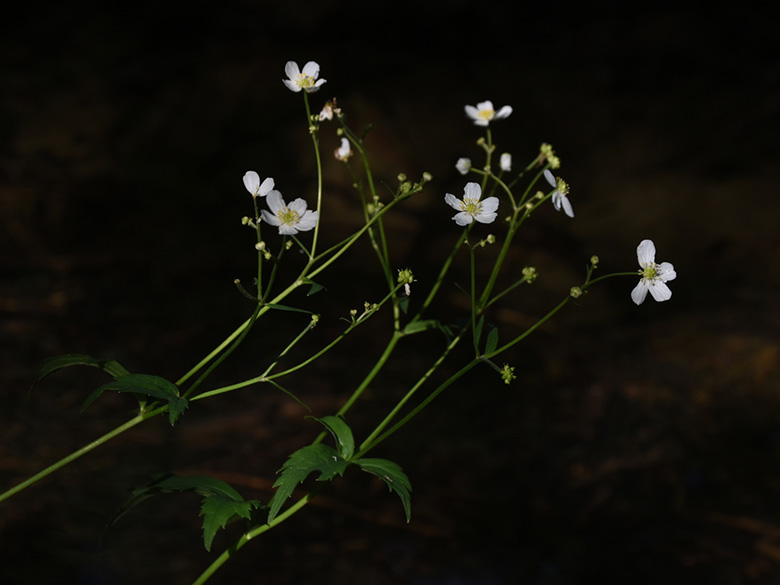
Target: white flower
471	208
306	80
560	195
255	187
463	165
506	162
344	151
292	218
484	113
328	110
654	276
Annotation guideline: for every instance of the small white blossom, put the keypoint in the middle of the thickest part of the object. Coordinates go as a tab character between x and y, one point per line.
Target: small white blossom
328	110
306	80
484	113
255	187
463	165
560	195
506	162
344	151
654	276
290	219
471	208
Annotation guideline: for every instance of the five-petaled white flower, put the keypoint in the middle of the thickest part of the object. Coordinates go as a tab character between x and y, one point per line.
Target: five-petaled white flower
654	276
463	165
292	218
506	162
471	208
305	80
560	195
255	187
344	151
484	113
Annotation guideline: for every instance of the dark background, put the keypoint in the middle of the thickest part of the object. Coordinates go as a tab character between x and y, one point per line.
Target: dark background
638	444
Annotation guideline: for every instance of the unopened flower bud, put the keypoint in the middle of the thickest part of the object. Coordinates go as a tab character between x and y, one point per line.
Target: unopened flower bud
508	374
594	260
401	177
530	274
427	177
405	276
575	292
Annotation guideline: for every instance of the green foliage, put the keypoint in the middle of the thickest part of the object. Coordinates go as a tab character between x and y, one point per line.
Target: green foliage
147	385
221	503
51	365
393	476
492	340
326	460
342	434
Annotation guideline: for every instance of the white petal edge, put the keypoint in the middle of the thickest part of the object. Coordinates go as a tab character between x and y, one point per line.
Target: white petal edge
291	69
550	177
462	218
645	252
639	293
275	202
472	191
660	291
452	201
312	69
251	181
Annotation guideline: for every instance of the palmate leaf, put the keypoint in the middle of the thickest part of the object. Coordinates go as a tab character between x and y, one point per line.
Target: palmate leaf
221	503
148	385
393	476
303	462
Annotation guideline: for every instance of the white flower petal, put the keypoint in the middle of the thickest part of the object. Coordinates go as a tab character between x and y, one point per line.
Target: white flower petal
463	165
666	272
645	252
287	230
490	205
297	205
486	105
472	112
486	217
660	291
270	218
639	293
506	162
275	202
312	69
462	218
452	201
550	177
503	113
251	181
291	70
567	208
472	191
266	187
291	85
308	221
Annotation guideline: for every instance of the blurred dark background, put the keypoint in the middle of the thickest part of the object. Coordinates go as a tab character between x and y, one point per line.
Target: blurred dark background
639	444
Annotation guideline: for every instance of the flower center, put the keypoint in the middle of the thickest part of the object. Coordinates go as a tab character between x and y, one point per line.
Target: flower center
305	81
288	216
471	206
649	271
486	114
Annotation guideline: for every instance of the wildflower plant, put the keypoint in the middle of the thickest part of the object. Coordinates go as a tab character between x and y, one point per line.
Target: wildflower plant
407	300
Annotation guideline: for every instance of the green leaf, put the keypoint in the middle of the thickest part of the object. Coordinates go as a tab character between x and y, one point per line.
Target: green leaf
418	326
148	385
76	359
287	308
492	340
315	287
326	460
345	443
221	503
478	328
393	476
217	511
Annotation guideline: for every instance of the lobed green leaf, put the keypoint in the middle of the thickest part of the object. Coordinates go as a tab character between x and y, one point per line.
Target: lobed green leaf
342	434
312	458
393	476
147	385
53	364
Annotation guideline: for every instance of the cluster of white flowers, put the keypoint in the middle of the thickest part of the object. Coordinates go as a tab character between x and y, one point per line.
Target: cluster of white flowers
295	217
290	219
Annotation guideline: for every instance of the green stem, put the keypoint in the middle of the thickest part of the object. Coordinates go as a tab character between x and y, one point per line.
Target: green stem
83	451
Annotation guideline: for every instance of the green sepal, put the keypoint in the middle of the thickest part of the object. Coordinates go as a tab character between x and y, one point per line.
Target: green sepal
148	385
342	434
111	367
326	460
393	476
221	503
